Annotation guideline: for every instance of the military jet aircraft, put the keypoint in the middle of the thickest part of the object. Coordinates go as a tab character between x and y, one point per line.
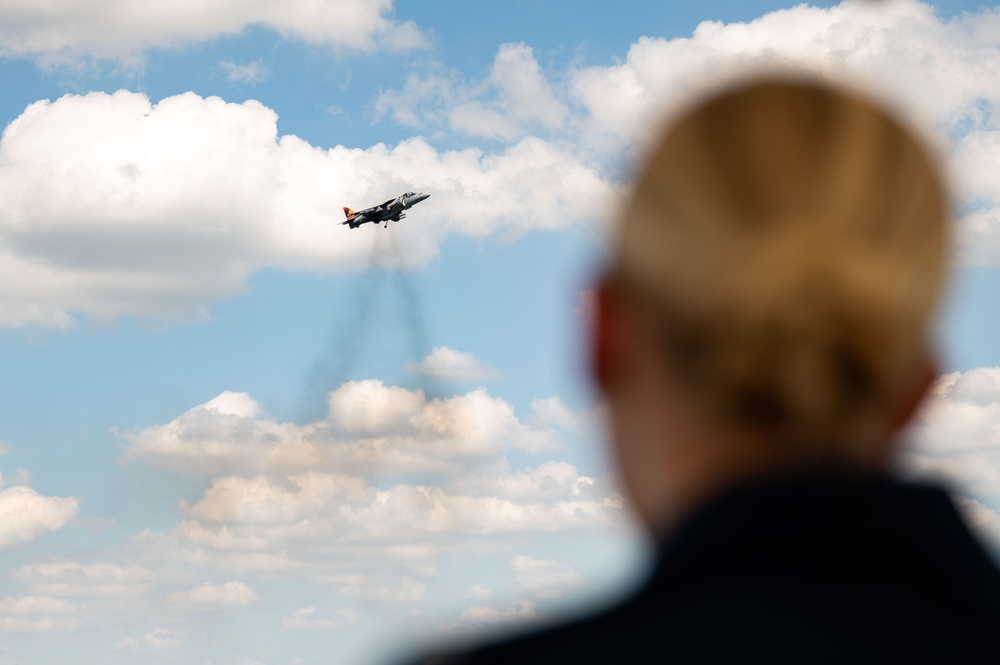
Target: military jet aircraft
390	210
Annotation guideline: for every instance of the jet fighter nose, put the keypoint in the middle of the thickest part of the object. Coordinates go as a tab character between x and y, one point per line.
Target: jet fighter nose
417	198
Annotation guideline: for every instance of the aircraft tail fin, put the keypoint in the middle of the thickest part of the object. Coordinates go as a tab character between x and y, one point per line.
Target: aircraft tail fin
348	213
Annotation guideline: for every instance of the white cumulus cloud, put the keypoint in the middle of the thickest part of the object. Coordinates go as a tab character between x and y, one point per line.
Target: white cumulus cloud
228	594
25	515
252	72
68	578
544	578
379	589
961	415
115	205
487	615
157	640
38	614
35	605
370	426
452	365
44	624
259	515
514	99
984	520
554	411
936	70
309	618
368	501
954	437
479	592
929	68
122	29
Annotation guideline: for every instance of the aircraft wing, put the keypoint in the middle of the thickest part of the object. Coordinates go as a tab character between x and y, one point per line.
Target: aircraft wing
377	213
359	217
369	212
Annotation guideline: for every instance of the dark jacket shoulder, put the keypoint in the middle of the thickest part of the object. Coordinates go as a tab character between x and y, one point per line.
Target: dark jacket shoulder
818	570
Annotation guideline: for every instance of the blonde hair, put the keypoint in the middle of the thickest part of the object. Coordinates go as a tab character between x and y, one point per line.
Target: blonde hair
789	238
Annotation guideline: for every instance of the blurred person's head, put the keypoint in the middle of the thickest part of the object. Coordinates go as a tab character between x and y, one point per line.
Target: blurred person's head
771	293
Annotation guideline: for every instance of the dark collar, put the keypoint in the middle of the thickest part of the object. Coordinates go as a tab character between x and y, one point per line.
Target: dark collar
852	522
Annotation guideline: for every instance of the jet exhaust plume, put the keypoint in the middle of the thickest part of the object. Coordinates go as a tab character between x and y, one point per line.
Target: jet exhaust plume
386	311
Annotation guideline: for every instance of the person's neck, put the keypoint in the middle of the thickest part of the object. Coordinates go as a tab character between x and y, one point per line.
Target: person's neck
700	471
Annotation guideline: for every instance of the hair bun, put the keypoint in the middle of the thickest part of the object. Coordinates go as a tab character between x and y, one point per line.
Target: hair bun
794	236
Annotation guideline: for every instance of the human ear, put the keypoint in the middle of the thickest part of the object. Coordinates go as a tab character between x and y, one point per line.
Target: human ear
902	412
604	335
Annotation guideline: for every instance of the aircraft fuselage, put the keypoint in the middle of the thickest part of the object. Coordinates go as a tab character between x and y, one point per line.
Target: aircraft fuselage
390	211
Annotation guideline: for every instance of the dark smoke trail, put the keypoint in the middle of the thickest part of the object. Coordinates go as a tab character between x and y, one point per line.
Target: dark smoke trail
408	296
386	288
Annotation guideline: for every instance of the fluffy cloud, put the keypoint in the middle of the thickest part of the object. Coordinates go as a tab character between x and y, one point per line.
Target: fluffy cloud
544	578
229	594
157	640
902	42
479	592
549	480
319	510
122	29
451	365
45	624
35	605
514	99
237	500
76	580
37	614
65	595
484	615
961	415
115	205
983	519
370	427
25	515
178	551
927	66
368	500
935	70
377	588
954	436
252	72
309	618
553	411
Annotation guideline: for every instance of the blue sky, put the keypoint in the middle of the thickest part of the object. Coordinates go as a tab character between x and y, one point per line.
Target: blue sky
237	432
